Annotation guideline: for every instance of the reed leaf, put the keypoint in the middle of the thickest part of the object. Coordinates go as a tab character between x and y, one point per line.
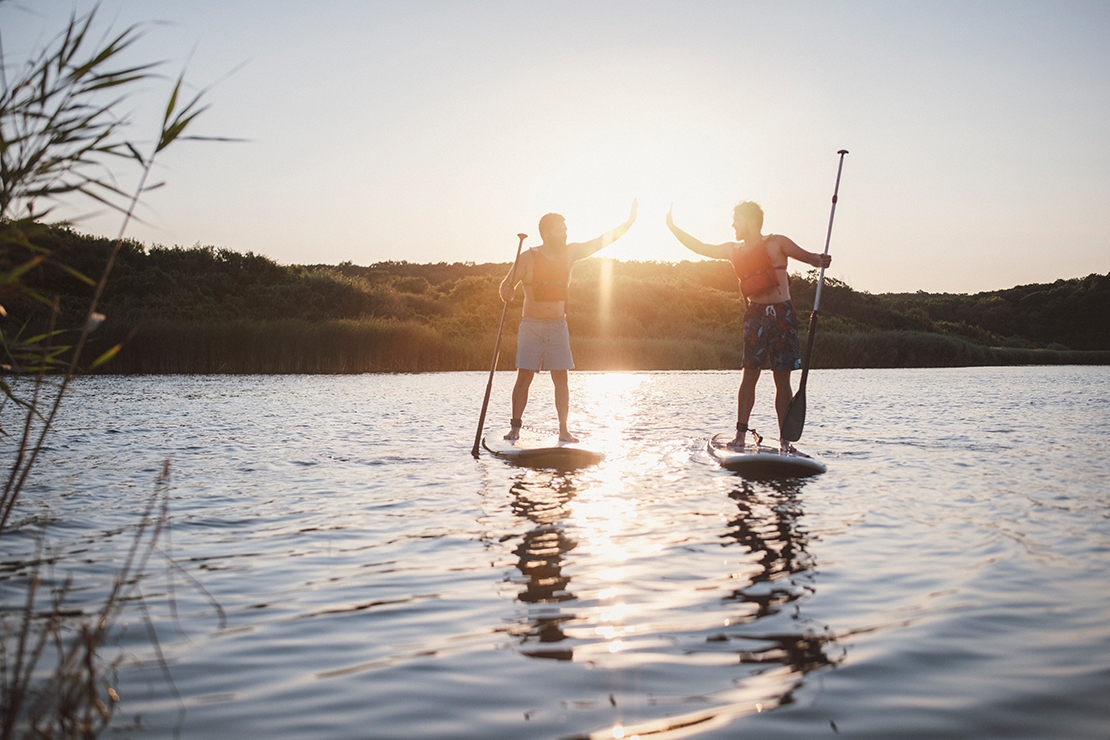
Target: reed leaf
59	138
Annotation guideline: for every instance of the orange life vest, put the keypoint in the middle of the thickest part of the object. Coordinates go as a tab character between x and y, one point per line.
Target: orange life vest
550	278
754	269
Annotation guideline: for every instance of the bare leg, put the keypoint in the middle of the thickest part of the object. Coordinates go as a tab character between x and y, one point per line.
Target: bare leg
745	400
520	398
783	396
562	403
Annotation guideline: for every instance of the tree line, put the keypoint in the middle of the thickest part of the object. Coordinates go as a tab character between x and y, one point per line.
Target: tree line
203	309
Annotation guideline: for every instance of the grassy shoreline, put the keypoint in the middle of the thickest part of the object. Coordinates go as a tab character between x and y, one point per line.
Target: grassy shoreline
292	346
207	310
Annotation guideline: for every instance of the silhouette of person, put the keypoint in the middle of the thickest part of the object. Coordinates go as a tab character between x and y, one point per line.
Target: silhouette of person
543	340
770	324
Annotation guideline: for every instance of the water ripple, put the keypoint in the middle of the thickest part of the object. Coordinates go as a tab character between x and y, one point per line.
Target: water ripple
378	581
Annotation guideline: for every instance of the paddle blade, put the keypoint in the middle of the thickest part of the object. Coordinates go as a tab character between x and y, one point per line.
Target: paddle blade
795	417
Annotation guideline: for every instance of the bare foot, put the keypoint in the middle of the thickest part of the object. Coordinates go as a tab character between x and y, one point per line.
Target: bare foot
513	434
737	443
567	437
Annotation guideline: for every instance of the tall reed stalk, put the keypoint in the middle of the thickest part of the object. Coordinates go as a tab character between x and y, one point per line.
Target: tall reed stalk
62	137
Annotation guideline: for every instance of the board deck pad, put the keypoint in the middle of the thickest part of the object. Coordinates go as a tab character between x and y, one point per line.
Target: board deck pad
541	449
762	461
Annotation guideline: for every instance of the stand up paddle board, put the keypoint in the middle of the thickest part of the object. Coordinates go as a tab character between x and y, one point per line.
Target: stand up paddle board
538	449
762	461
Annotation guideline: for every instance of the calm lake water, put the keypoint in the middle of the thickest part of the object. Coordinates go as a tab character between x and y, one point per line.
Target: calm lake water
948	577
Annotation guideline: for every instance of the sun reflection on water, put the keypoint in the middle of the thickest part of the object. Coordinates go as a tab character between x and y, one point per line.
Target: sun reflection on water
596	591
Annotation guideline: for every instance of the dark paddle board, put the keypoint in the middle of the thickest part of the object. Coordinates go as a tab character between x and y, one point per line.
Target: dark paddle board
762	461
538	449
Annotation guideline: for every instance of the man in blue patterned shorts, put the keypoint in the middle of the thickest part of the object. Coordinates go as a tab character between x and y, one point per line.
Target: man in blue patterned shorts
770	325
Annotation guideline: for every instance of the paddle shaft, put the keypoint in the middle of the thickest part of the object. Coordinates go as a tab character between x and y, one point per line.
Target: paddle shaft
496	351
795	418
820	281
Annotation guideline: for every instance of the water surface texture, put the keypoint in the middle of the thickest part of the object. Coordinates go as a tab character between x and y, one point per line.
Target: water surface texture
948	576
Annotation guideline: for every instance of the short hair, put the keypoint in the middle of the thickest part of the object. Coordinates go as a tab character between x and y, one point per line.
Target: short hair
549	220
750	210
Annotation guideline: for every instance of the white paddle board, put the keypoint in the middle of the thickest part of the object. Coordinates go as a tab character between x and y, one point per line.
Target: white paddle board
539	449
762	461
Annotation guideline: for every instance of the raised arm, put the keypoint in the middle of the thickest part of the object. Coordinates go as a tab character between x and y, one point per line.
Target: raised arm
714	251
585	249
792	250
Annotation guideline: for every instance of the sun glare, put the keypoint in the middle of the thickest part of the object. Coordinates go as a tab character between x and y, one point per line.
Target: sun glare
606	402
593	181
605	296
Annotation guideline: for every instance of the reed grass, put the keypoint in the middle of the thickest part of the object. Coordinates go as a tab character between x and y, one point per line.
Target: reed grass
893	349
593	353
63	118
377	345
390	345
295	347
53	677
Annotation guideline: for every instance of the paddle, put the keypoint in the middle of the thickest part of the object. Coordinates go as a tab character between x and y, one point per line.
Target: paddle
795	417
496	351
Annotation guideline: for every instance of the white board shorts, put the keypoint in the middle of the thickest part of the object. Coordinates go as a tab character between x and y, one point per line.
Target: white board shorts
543	344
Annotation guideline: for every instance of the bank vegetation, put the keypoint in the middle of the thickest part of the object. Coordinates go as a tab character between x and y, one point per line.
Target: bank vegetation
208	310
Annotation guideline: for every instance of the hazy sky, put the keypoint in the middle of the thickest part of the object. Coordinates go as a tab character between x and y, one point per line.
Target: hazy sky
435	131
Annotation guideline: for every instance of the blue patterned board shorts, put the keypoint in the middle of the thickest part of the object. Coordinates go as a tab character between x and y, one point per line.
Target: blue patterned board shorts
543	344
771	337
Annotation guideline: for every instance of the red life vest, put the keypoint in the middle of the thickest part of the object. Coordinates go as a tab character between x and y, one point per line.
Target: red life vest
550	278
754	269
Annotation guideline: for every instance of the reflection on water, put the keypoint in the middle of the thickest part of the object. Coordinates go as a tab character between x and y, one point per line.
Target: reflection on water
768	525
772	579
377	584
540	558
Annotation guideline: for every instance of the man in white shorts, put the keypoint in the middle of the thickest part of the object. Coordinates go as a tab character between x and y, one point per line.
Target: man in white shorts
543	341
